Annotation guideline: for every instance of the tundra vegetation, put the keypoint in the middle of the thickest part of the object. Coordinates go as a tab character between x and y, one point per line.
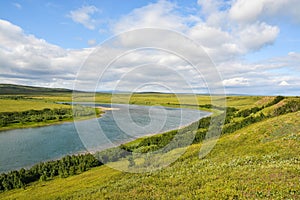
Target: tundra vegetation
257	156
44	112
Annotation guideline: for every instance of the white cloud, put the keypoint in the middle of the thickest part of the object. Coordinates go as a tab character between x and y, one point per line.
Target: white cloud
83	16
92	42
255	36
27	59
210	6
234	82
291	61
17	5
293	56
245	11
221	37
155	15
284	83
278	75
209	36
223	31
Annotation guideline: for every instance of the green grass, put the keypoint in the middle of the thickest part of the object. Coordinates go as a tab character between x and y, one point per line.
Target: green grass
171	100
22	89
19	105
260	161
242	102
8	105
28	103
49	122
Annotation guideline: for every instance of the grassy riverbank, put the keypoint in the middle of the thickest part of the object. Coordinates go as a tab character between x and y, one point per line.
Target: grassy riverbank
260	161
41	100
27	112
98	112
257	157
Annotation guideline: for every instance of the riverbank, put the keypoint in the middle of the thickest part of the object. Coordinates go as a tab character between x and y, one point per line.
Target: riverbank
66	139
252	143
106	108
99	113
240	166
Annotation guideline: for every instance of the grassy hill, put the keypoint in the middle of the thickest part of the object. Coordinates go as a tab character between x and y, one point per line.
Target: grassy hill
259	161
21	89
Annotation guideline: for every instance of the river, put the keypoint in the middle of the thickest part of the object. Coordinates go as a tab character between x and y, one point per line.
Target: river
26	147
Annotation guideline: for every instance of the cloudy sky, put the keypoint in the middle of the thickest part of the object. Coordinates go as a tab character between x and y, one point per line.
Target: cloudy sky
254	44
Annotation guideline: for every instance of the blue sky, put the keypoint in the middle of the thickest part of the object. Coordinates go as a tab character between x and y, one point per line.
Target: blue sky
255	44
49	19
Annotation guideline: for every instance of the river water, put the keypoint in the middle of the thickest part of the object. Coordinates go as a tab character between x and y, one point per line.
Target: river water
26	147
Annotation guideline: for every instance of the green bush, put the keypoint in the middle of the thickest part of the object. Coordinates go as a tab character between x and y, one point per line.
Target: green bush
29	116
64	167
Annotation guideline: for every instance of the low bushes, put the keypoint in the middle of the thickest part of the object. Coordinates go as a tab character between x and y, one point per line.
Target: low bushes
67	166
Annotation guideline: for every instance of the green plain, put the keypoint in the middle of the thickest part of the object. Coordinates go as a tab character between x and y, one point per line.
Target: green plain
260	161
257	162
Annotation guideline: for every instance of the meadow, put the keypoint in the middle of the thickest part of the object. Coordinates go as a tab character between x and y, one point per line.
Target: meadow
17	105
38	101
257	156
260	161
26	111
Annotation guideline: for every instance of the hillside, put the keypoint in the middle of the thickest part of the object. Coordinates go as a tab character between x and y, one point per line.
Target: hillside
21	89
259	161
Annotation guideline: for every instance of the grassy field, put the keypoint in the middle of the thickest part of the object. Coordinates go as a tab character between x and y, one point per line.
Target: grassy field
39	102
12	89
46	98
26	103
171	100
36	101
260	161
9	105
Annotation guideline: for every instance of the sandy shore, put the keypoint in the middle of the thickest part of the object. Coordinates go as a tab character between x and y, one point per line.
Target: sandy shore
106	108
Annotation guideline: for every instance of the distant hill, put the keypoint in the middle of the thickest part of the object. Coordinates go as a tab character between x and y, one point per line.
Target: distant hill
21	89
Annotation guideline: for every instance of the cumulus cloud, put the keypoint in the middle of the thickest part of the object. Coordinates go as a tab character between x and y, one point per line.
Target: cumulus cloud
220	36
155	15
245	11
83	16
278	75
209	36
284	83
226	36
255	36
236	82
120	69
210	6
25	57
227	30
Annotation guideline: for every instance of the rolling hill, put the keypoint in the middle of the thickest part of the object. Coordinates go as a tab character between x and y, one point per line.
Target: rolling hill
258	161
22	89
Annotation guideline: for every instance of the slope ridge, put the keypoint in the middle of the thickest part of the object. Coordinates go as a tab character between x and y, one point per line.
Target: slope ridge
258	161
22	89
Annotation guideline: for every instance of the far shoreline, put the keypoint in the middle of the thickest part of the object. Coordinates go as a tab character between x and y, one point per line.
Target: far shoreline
52	123
107	108
117	145
101	109
94	151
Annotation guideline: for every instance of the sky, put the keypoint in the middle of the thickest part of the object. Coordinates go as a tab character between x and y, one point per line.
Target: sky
254	45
